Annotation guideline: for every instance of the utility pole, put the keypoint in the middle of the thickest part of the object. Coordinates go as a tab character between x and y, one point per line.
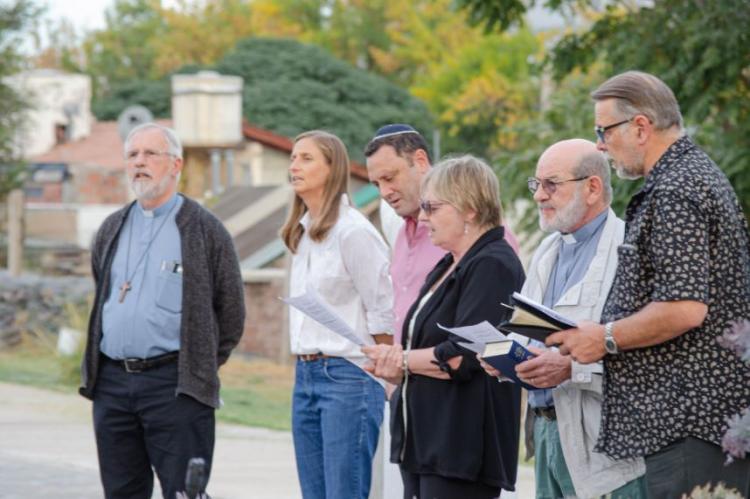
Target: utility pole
15	232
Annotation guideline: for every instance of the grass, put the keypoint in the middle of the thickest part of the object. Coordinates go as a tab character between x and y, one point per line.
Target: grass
255	392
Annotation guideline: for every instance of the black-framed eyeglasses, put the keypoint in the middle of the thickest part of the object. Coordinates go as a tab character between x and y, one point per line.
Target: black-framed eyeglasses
600	131
549	186
429	207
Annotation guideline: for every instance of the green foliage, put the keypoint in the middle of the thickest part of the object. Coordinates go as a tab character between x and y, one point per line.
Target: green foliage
121	60
479	89
16	18
124	51
495	14
11	176
155	95
698	47
291	87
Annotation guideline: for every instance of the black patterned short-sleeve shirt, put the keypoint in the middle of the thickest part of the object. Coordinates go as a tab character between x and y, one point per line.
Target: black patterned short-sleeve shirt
686	238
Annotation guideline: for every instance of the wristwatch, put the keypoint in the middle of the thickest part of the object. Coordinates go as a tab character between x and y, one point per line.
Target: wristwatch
610	345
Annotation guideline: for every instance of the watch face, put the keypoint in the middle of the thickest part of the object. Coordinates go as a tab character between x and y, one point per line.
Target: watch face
610	346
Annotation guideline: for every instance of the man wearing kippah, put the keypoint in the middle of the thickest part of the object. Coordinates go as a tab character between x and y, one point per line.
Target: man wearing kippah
397	160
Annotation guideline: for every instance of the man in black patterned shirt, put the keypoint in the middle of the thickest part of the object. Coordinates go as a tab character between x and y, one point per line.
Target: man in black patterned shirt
683	277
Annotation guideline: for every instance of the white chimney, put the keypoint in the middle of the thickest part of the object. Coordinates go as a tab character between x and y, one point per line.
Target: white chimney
207	109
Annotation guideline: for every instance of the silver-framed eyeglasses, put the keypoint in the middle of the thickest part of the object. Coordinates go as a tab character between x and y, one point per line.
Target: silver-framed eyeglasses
148	154
549	186
429	207
601	131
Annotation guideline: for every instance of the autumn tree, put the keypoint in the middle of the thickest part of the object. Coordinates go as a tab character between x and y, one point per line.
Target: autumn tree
698	47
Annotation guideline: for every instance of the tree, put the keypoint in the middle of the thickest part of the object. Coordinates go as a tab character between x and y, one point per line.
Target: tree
154	95
698	47
124	50
202	33
291	87
16	19
63	48
470	81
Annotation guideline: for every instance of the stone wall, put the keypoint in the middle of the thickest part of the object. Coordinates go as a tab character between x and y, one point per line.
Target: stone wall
37	303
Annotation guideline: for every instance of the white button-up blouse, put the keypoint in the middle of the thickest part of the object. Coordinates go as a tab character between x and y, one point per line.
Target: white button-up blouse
350	270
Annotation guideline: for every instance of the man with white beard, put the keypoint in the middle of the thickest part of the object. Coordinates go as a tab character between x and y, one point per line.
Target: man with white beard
571	272
168	311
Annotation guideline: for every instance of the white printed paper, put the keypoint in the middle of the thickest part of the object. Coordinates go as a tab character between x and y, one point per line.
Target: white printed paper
313	306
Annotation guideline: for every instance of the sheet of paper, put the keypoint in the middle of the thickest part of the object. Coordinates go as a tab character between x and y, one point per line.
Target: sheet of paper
312	305
477	335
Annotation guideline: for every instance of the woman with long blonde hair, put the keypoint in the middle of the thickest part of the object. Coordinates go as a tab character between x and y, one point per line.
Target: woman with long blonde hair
337	407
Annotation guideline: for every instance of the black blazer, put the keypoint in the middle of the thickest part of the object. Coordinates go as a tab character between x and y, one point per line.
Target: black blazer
466	427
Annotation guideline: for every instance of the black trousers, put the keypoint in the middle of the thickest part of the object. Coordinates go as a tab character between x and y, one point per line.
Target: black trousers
140	424
423	486
685	464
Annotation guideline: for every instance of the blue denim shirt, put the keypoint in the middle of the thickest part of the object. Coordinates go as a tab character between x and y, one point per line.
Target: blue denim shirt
147	322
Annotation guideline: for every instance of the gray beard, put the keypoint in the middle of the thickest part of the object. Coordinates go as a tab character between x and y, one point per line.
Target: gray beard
148	190
565	218
626	174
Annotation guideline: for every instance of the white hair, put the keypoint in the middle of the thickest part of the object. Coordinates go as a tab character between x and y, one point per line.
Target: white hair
174	146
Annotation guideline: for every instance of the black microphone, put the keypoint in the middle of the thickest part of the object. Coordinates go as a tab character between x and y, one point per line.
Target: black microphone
195	479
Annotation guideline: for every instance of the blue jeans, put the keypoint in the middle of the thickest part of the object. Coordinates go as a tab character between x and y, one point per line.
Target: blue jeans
337	410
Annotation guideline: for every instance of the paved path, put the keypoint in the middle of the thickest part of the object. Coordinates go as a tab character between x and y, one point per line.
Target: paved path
47	450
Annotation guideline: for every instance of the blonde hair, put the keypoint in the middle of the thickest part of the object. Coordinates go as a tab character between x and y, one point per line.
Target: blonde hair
467	183
337	184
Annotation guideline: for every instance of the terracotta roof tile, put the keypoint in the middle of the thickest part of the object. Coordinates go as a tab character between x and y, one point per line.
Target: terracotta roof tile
285	144
103	147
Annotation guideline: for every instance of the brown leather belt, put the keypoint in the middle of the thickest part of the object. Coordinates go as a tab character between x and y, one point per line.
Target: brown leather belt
310	357
140	365
545	412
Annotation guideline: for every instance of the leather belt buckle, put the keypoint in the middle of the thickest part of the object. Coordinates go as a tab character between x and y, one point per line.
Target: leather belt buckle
132	365
547	413
310	357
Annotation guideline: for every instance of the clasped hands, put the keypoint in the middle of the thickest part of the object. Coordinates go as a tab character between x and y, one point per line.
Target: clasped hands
387	362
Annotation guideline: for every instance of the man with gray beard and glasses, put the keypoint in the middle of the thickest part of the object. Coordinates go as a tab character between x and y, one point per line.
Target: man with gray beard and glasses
168	310
571	272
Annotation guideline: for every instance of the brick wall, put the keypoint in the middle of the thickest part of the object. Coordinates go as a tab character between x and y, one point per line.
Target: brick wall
99	186
265	321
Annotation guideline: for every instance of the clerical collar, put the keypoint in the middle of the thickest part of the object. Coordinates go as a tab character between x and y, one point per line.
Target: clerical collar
585	232
159	210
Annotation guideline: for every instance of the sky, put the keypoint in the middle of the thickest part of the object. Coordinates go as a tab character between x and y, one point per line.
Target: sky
85	14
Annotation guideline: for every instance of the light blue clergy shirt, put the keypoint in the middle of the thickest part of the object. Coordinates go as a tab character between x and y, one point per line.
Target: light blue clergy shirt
147	322
576	252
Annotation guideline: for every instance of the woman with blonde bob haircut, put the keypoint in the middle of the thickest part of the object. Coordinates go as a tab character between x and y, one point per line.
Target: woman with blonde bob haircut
455	430
337	254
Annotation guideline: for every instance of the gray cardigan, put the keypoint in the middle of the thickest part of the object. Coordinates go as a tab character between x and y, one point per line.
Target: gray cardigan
213	308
